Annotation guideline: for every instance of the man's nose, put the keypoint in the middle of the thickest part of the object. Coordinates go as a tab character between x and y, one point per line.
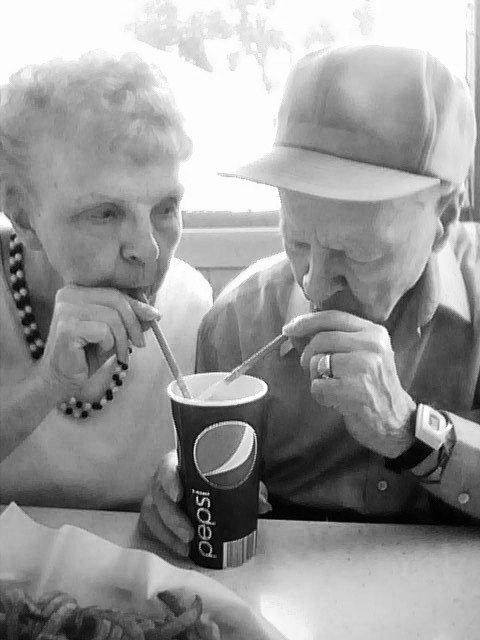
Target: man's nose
138	243
325	274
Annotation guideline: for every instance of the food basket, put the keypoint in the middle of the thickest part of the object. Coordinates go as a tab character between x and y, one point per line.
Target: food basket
39	559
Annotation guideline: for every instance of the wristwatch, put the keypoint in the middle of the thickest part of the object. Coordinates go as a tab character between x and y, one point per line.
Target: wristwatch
433	432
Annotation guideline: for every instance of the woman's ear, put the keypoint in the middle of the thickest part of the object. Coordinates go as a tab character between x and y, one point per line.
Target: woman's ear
449	207
16	208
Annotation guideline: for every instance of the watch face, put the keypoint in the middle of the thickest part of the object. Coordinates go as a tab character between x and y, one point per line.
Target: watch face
434	421
432	427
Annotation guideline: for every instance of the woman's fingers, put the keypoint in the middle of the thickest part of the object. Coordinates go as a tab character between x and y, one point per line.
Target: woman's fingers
165	518
171	514
85	332
167	477
264	505
152	520
111	319
133	313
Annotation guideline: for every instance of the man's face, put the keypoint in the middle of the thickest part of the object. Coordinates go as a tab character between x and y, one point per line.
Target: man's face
114	225
358	257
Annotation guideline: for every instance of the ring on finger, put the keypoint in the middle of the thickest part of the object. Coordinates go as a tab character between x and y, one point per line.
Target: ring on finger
324	367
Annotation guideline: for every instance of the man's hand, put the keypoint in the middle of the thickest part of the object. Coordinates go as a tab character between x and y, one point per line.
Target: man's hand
365	387
161	513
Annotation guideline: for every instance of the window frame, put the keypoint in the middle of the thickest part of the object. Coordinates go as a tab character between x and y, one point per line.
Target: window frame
473	78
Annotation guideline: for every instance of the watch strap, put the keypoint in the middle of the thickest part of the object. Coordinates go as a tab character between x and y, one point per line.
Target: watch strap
410	458
415	454
433	430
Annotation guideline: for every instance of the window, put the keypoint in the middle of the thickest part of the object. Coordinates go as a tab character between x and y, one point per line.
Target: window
227	61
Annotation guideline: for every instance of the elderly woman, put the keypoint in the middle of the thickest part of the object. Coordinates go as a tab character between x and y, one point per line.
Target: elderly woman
89	159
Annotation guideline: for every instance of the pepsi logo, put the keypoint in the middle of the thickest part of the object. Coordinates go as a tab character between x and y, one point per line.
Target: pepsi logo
225	454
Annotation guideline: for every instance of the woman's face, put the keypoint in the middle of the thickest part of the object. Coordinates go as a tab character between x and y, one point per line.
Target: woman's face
106	226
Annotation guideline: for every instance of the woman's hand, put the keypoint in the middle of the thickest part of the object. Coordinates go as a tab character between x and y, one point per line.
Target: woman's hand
87	325
365	387
161	513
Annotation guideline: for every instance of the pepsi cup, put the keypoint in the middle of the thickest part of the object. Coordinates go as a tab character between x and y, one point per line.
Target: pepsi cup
219	443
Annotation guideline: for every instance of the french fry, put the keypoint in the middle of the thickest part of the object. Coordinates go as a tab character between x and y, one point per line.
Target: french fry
178	625
58	616
175	602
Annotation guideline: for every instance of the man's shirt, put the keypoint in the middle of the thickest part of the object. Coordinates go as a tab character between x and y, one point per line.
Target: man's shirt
310	458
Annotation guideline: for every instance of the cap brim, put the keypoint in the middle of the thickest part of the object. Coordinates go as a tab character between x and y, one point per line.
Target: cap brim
325	176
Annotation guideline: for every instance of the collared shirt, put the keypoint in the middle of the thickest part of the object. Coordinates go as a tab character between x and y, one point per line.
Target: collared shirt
310	458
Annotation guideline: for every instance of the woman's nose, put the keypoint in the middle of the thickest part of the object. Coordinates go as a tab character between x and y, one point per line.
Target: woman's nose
324	276
139	245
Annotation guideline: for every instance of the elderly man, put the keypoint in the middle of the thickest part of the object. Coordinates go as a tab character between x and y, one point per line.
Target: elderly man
372	405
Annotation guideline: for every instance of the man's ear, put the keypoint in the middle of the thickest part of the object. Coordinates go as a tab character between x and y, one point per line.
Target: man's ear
449	207
16	208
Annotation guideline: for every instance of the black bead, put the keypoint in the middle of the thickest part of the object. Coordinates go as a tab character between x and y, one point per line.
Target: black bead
23	302
97	406
31	337
79	404
84	414
13	268
124	366
116	376
36	355
18	284
130	350
27	319
109	394
69	411
119	382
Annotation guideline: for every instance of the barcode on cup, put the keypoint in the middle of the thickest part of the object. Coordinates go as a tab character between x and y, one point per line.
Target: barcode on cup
236	552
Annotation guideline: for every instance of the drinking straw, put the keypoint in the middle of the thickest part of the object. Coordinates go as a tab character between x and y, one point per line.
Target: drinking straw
243	367
169	357
254	358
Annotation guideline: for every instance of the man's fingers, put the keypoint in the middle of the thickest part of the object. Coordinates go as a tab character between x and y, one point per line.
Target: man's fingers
339	342
345	365
311	323
328	393
159	530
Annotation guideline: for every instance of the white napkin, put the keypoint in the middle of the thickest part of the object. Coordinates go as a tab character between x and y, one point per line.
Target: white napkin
97	572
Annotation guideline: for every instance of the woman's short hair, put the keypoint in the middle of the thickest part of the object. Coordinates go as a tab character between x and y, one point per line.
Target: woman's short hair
113	107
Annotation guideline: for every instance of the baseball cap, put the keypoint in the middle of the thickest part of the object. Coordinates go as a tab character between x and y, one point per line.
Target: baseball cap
368	123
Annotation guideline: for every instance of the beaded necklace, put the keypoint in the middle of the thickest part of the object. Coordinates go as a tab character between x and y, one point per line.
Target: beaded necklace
73	407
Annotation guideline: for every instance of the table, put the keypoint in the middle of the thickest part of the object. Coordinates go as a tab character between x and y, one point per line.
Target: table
317	580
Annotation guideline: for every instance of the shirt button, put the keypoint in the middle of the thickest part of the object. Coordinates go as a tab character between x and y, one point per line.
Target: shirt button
382	485
463	498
